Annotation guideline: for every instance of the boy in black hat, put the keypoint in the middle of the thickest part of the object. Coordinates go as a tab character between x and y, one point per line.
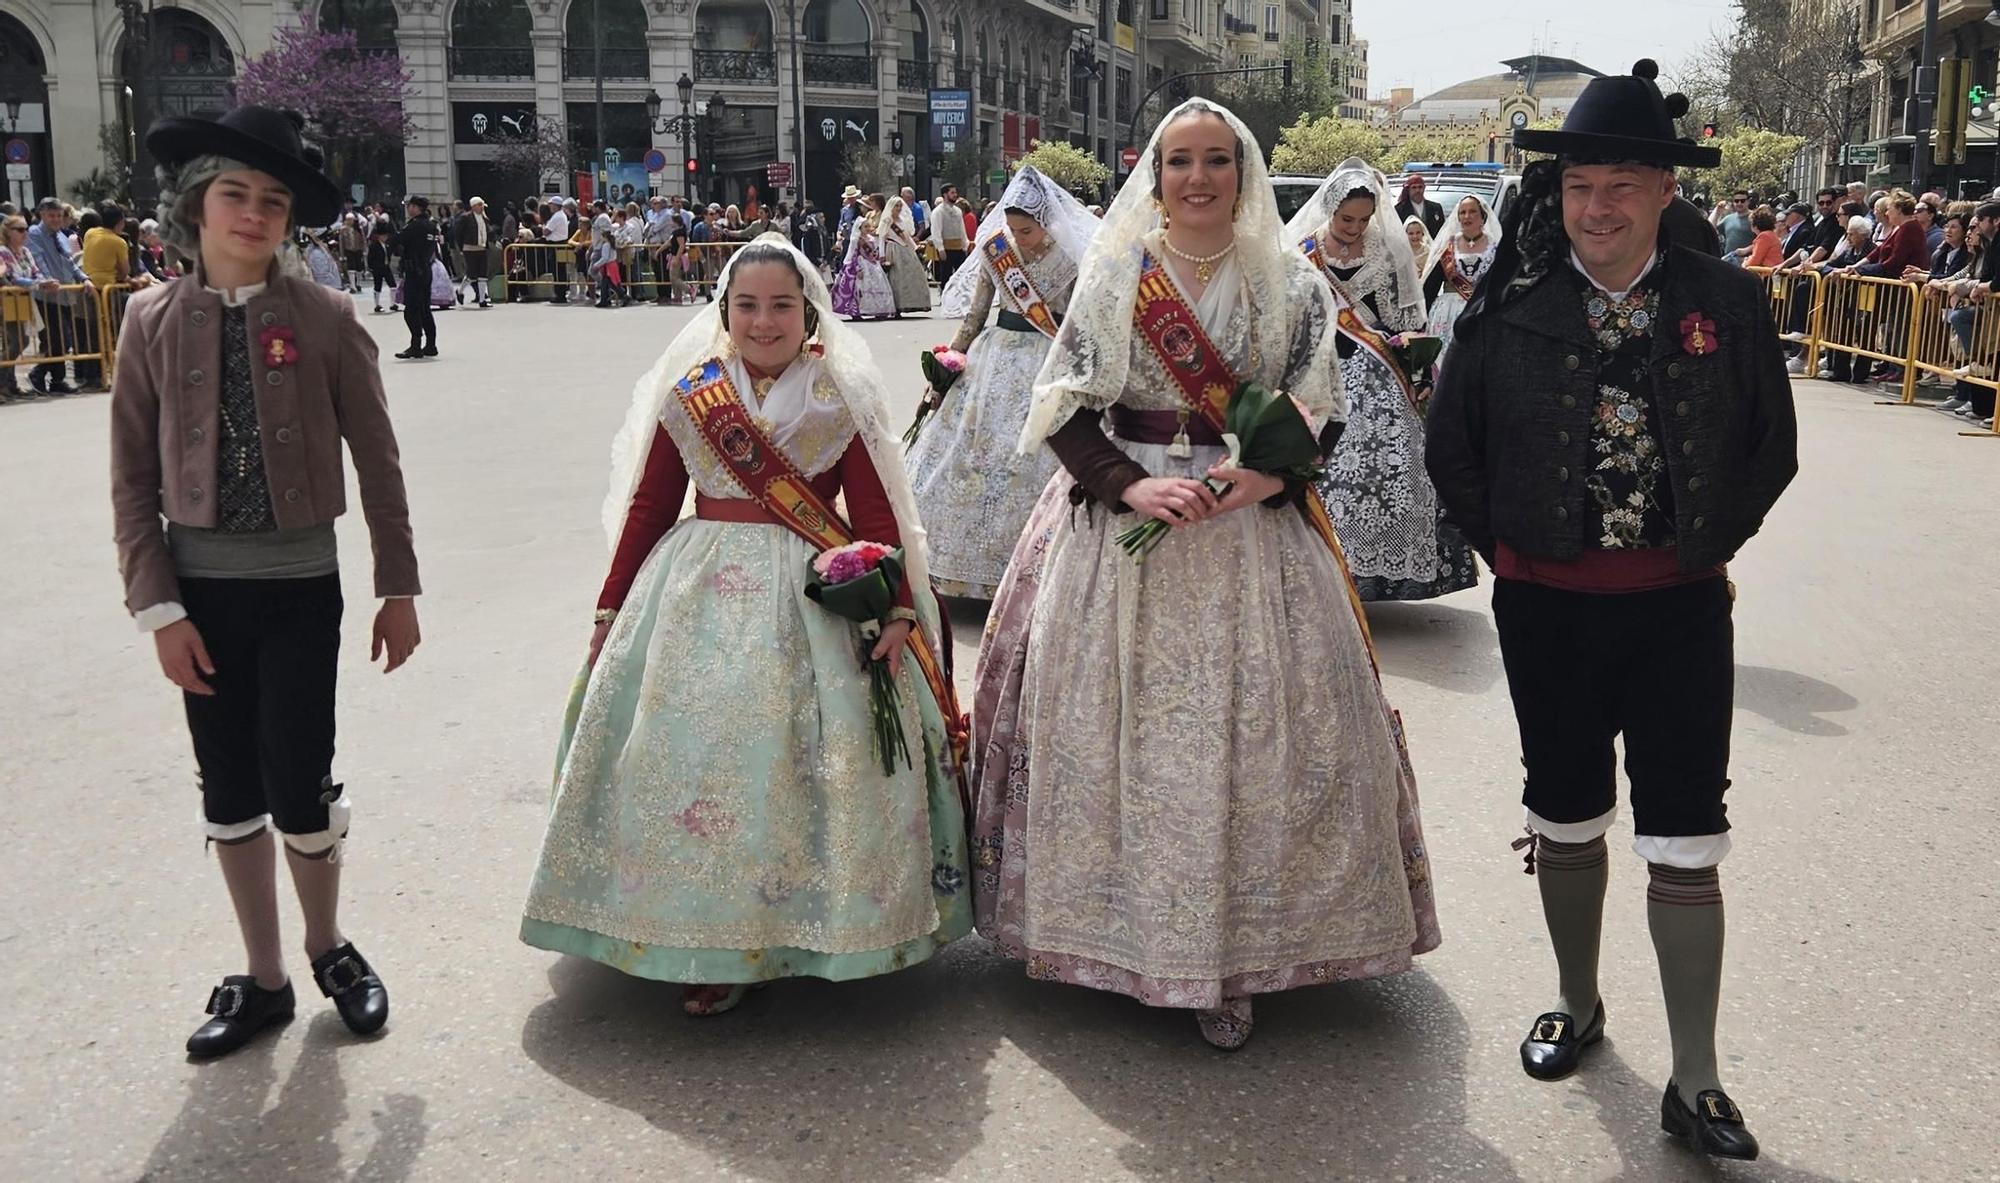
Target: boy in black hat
1613	422
239	390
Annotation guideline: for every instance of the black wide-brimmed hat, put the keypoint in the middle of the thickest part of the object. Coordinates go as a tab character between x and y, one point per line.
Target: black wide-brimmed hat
1624	118
264	138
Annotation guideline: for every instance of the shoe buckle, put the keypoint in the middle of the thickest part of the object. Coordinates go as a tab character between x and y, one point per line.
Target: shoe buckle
226	1002
331	976
1550	1030
1721	1108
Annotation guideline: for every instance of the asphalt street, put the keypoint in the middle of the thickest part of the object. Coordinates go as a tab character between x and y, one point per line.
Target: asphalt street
1860	1025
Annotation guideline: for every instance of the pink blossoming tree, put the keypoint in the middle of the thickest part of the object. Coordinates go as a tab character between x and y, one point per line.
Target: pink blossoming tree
352	99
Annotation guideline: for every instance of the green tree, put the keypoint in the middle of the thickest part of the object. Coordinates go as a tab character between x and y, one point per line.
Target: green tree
1442	146
1067	165
1266	106
1753	159
866	166
1315	147
965	166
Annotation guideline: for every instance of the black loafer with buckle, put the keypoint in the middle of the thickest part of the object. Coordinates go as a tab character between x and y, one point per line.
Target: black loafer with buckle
240	1009
1555	1046
346	977
1714	1125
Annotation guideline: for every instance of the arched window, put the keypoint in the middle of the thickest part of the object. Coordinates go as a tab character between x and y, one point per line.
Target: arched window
623	49
913	51
733	41
958	50
188	66
839	36
837	26
490	39
373	22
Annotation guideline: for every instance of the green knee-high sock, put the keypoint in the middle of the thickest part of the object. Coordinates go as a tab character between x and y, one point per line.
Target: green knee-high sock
1684	910
1572	876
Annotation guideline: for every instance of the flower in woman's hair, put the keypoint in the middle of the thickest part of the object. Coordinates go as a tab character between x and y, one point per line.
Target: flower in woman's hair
276	345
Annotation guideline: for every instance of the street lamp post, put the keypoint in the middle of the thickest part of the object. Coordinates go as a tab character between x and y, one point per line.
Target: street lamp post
682	125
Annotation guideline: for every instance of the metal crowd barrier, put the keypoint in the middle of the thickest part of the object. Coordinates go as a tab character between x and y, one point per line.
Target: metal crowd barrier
1797	300
53	327
1912	325
539	270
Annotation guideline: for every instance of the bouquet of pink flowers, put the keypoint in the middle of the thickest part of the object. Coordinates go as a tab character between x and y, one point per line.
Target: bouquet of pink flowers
859	581
943	366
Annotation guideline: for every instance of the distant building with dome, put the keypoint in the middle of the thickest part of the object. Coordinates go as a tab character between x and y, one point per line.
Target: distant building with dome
1538	86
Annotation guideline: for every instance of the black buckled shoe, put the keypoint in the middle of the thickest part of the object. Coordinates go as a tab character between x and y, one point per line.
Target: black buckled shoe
1555	1045
346	977
1713	1126
241	1008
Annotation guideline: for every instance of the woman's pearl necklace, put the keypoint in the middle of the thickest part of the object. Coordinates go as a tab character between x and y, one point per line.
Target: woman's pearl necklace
1204	265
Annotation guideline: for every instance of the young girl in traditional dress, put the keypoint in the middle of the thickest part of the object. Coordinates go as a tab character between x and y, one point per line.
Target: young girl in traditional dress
1380	497
863	290
907	277
1190	787
975	488
721	816
1461	256
237	387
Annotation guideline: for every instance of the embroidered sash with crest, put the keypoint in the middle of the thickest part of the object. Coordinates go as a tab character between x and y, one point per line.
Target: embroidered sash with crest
1013	272
710	400
1357	330
1206	383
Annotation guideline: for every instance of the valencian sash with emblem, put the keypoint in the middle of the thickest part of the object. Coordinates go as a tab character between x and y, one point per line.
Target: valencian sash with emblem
1012	271
1357	330
1173	332
712	404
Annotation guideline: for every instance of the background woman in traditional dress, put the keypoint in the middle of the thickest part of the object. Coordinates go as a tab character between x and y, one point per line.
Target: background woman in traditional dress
1382	501
907	277
1190	787
863	290
1460	257
721	817
976	489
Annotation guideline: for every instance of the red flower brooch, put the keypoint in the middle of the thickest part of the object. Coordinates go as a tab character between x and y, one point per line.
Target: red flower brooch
1698	334
276	342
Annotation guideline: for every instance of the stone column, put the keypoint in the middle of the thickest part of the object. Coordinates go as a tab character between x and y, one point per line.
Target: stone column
550	110
76	102
427	156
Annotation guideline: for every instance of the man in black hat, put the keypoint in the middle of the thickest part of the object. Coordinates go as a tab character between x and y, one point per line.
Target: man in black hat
1613	421
416	244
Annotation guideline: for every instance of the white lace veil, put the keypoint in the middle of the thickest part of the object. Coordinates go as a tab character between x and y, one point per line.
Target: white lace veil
1087	364
847	359
1067	222
1451	231
1385	231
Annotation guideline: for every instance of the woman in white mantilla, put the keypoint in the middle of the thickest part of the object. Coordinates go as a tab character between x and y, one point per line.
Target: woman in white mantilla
721	817
1382	501
1190	786
1460	258
974	487
907	277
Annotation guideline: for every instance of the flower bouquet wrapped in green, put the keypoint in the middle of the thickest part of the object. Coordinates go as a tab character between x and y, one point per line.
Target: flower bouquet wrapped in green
943	366
1415	354
1265	431
859	581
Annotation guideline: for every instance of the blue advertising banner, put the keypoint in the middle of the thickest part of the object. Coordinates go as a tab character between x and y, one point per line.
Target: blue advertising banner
951	119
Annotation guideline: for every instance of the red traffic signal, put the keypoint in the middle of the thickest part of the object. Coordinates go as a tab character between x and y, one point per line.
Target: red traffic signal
693	165
1708	131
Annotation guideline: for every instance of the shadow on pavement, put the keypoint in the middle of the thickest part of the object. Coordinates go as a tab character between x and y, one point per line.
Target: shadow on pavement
1453	649
223	1130
1792	701
880	1079
1628	1107
1357	1080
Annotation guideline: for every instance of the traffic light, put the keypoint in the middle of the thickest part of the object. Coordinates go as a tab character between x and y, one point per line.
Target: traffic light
1708	131
1955	102
693	166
